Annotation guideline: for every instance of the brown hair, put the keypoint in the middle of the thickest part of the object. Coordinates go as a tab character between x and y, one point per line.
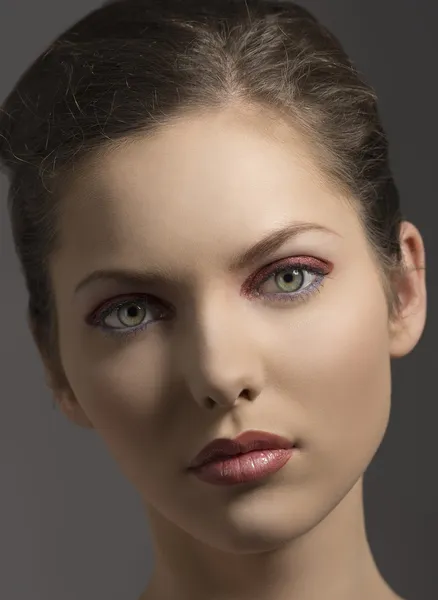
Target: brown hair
133	65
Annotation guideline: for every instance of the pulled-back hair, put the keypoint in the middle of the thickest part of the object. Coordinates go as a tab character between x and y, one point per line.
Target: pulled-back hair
131	66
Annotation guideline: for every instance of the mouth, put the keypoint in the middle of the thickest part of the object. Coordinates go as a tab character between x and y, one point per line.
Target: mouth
224	448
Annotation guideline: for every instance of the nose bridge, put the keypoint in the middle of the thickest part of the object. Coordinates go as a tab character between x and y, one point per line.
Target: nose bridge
219	357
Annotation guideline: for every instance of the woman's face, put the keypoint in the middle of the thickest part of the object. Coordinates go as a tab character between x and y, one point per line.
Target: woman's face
299	354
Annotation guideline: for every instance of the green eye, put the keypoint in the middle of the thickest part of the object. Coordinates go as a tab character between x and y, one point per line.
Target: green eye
131	315
289	280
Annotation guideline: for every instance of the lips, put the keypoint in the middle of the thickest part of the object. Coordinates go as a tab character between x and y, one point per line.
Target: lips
223	448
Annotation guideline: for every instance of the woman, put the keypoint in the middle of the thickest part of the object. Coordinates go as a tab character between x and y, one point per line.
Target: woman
217	172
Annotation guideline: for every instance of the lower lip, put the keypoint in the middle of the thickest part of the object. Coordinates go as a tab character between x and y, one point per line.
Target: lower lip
244	467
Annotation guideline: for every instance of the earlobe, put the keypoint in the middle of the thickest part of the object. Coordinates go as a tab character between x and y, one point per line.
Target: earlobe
407	326
57	382
66	400
72	409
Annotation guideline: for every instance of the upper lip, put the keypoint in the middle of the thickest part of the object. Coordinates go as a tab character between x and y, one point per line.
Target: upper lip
245	442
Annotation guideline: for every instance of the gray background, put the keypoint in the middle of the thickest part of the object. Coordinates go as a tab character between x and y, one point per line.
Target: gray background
70	526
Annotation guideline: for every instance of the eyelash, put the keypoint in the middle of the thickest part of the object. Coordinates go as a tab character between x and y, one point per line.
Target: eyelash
304	264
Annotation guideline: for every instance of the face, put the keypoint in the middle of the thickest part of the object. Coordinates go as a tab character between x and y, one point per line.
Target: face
189	343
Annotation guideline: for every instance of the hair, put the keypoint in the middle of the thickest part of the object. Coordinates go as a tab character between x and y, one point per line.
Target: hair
131	66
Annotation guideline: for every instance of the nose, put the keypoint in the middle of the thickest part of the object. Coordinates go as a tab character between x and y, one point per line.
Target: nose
220	358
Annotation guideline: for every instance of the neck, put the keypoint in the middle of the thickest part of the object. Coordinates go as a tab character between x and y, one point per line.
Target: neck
332	561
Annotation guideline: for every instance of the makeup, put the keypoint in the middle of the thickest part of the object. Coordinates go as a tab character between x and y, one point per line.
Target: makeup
251	456
311	273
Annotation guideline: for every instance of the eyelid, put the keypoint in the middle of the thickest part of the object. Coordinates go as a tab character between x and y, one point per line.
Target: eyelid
308	263
108	306
320	267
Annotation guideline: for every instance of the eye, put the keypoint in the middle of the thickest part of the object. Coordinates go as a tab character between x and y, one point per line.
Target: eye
128	314
289	279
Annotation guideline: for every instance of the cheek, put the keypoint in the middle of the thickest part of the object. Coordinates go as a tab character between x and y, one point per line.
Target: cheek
125	393
337	372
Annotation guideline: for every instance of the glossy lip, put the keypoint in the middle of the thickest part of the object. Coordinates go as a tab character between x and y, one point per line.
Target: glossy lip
223	448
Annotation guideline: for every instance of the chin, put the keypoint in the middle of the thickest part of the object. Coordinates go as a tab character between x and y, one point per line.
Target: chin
260	520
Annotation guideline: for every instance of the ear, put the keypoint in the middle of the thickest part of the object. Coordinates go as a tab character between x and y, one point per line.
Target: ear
57	382
70	407
407	327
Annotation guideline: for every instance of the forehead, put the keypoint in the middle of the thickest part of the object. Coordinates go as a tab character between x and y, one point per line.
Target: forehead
221	178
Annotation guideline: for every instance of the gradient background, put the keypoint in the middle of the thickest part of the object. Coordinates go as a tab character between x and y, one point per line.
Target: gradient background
70	526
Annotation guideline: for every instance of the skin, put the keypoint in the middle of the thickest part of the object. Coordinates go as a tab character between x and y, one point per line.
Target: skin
185	203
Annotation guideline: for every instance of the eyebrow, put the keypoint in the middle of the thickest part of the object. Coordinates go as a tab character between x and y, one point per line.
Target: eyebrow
267	245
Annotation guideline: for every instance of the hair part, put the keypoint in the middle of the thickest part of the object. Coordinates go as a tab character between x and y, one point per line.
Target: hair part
131	67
